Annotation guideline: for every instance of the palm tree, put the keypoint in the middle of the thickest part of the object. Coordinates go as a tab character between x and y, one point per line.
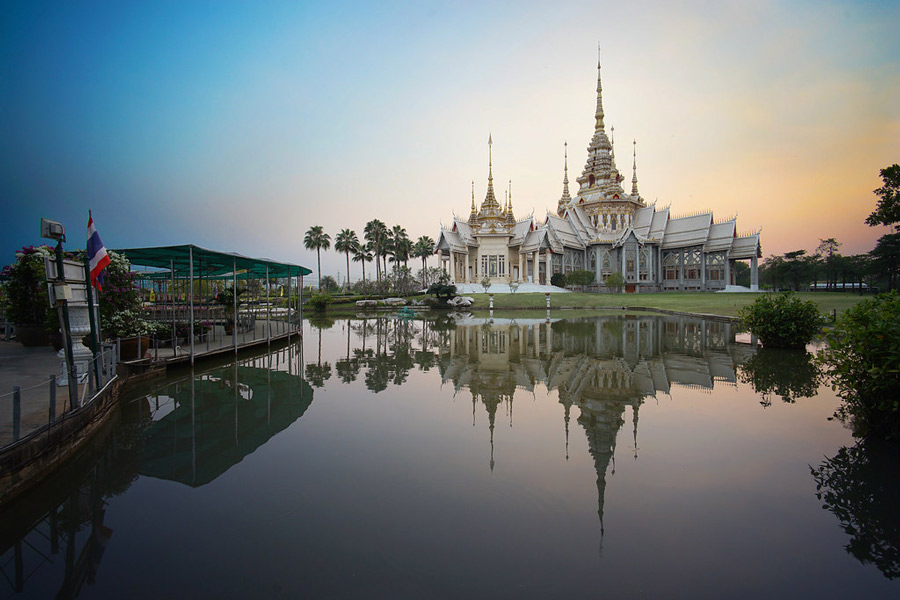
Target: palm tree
400	245
376	232
423	249
363	254
318	239
346	242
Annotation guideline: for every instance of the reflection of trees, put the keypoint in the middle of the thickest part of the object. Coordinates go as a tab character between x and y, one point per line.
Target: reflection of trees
860	486
399	346
790	374
318	374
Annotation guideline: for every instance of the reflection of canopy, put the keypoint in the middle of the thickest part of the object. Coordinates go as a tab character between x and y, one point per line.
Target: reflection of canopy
200	440
209	263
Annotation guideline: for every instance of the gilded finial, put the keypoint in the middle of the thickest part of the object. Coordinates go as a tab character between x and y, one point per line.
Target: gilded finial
634	181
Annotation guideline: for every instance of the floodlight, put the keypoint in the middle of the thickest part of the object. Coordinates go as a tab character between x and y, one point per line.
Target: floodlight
53	230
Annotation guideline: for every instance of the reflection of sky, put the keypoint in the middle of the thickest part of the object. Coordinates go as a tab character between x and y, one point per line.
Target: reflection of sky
393	495
237	126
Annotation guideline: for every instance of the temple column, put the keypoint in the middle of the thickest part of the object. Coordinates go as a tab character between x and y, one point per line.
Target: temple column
534	267
466	271
754	274
637	267
681	269
702	270
727	270
548	271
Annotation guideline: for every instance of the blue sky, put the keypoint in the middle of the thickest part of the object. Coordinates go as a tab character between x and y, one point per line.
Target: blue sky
237	125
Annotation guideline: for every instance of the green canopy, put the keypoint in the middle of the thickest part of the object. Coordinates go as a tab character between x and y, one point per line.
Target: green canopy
209	263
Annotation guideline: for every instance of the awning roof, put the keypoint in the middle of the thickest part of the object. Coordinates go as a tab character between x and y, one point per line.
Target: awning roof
210	263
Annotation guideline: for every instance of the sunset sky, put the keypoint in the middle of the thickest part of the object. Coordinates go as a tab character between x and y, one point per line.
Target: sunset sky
238	125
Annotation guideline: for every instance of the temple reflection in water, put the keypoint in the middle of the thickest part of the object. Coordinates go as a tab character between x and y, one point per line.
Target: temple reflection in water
599	366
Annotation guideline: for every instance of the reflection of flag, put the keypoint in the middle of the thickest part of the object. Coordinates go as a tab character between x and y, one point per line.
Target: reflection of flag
96	254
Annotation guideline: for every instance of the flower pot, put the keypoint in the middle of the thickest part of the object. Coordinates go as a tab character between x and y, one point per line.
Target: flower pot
32	335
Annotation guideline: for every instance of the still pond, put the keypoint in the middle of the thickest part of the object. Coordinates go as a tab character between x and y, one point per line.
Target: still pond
468	457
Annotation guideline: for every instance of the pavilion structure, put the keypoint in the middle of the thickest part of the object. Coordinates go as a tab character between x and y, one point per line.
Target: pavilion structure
602	229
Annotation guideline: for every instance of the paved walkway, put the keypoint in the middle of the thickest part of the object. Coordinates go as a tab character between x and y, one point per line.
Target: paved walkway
30	368
503	288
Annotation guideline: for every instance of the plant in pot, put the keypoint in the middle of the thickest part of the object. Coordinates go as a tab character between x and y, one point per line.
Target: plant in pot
227	299
120	309
24	296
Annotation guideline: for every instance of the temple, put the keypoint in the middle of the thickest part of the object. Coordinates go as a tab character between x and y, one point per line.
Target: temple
602	229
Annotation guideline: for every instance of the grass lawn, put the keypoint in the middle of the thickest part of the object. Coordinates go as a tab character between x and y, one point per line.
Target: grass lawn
692	302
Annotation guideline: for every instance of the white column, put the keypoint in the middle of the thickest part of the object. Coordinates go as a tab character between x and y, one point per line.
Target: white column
754	274
466	271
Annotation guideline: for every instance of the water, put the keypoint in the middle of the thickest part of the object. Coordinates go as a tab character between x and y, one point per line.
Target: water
623	456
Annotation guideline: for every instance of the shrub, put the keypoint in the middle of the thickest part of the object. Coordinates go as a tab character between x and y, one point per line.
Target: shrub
581	278
782	320
863	361
615	281
558	279
24	292
319	301
329	284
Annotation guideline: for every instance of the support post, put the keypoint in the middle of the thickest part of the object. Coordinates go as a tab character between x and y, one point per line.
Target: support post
17	412
95	333
191	294
52	416
234	304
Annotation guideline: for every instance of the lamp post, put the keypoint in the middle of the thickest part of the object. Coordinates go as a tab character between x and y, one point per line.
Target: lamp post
55	231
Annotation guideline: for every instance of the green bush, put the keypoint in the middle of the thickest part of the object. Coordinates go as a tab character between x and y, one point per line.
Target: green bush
580	278
558	279
863	360
615	281
782	320
319	301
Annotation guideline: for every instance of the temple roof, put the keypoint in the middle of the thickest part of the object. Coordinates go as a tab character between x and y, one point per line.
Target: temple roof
687	231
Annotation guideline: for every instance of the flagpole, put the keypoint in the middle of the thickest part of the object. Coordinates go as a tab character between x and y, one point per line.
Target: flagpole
95	334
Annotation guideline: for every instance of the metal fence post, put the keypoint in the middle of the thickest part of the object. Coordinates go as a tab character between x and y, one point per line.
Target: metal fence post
17	412
52	398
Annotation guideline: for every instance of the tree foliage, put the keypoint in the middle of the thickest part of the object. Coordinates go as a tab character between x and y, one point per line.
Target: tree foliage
782	320
887	211
863	359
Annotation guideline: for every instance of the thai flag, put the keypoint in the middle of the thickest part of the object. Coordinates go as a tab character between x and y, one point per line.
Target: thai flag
96	254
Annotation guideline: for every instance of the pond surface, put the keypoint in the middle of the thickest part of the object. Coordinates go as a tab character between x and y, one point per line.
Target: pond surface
619	456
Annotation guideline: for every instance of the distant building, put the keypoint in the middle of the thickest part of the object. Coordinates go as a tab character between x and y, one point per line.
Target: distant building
602	229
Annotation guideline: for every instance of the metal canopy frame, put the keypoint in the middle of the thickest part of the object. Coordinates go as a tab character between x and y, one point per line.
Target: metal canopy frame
193	263
216	265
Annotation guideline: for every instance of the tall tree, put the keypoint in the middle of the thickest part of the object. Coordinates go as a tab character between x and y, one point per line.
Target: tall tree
401	245
828	250
423	249
346	242
375	233
886	258
887	212
363	254
317	239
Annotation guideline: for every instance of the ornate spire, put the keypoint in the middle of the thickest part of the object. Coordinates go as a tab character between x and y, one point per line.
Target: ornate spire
565	199
612	143
634	188
600	173
473	215
598	114
510	219
490	206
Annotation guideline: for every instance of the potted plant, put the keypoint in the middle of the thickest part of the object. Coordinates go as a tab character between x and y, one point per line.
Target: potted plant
24	296
227	299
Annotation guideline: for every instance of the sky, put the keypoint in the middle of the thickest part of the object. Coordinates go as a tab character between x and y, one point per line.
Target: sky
238	125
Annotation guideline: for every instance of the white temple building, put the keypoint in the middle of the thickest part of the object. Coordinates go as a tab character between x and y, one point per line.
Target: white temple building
601	229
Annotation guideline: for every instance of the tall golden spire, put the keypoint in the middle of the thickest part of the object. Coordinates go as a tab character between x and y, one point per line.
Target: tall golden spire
634	188
598	114
490	206
565	199
510	218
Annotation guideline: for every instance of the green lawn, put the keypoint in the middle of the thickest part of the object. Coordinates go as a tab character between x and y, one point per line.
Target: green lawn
692	302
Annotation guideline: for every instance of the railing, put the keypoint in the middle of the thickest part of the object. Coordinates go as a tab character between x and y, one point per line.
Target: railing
26	410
